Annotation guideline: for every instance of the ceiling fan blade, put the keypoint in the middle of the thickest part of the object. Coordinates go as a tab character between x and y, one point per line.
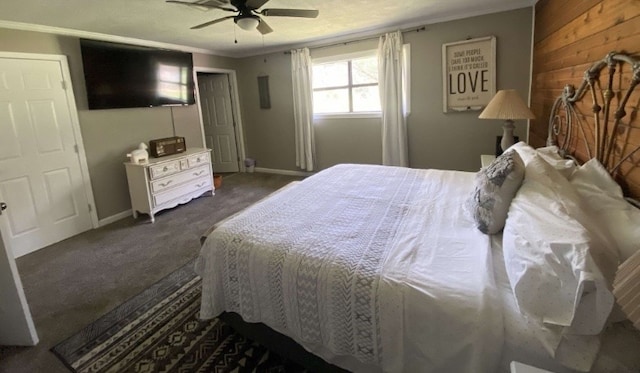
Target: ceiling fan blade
218	4
305	13
211	22
213	2
199	4
255	4
263	28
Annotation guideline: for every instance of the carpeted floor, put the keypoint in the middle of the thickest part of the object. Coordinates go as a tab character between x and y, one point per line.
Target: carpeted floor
159	331
74	282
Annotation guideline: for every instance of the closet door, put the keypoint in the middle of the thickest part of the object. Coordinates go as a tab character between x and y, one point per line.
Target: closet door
40	169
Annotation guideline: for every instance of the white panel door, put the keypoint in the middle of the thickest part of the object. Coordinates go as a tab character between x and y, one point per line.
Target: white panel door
218	121
40	172
16	325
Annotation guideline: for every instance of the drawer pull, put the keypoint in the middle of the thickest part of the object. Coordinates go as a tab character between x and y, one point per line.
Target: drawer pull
201	185
165	168
165	184
198	173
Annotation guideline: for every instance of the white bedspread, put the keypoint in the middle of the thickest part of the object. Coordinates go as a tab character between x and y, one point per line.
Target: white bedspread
370	267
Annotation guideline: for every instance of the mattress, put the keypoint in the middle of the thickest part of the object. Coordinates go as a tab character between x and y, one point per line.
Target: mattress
354	264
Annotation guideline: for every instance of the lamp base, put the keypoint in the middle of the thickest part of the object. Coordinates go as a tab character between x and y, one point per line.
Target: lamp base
498	147
507	135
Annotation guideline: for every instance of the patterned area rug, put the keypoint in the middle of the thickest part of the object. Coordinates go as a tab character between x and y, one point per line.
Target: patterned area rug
159	331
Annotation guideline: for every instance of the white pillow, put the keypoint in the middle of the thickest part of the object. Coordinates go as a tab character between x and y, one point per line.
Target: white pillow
566	167
559	264
549	153
604	196
495	187
524	150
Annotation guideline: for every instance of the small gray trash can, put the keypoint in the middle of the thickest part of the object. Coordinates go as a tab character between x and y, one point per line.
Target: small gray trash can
250	164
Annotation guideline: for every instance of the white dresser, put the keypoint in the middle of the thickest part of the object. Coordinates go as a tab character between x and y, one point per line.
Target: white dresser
166	182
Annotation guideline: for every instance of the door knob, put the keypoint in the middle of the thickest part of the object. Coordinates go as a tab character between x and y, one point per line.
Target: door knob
3	206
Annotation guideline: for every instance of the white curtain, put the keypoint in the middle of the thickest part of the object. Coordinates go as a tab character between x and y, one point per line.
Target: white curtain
394	127
303	108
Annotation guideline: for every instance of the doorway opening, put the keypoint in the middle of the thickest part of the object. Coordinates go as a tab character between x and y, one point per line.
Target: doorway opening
218	106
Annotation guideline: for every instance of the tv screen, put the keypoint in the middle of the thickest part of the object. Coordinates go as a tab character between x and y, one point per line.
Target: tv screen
127	76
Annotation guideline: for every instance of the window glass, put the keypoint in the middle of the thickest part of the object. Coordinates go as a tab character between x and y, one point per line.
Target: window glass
331	101
334	74
366	99
365	70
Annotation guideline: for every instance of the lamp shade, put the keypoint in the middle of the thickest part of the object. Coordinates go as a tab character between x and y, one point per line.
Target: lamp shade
626	288
248	23
506	104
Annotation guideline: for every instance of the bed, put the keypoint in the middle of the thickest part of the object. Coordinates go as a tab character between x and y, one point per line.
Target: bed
376	268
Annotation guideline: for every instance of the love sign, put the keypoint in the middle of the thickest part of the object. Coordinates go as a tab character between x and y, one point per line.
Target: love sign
469	74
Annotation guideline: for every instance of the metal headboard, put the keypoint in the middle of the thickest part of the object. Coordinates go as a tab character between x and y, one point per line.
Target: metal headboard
609	123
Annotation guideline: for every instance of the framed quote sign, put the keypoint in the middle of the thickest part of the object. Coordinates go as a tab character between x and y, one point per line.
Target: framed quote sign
468	74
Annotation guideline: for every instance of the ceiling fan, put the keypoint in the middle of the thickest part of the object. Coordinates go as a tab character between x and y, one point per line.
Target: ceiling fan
248	15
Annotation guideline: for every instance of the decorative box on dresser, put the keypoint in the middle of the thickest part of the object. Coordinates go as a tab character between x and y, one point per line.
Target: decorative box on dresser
164	183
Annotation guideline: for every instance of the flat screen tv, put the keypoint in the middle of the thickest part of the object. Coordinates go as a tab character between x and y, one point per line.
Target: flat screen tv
128	76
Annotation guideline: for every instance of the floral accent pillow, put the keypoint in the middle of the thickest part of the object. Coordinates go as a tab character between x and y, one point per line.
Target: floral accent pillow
495	187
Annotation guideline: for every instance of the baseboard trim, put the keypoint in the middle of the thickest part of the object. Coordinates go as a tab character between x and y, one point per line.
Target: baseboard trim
114	218
283	172
18	253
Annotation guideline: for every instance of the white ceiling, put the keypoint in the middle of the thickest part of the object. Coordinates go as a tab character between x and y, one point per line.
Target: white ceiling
168	25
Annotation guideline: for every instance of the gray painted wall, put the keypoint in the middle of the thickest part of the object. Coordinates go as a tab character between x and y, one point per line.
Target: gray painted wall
109	134
456	140
269	133
436	140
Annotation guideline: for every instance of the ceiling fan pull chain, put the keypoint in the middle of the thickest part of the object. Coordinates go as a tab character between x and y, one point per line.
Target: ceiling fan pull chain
235	37
263	49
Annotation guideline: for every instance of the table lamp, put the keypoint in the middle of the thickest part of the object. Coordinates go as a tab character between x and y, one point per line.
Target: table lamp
626	288
508	105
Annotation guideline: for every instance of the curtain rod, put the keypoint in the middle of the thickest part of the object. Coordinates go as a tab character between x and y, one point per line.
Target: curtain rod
413	29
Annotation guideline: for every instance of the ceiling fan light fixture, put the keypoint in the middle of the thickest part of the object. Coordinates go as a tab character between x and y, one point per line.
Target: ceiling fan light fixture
248	23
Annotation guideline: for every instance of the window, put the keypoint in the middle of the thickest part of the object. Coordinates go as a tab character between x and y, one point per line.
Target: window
348	84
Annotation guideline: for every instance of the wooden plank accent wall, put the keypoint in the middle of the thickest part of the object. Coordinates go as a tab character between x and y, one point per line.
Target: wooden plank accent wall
569	36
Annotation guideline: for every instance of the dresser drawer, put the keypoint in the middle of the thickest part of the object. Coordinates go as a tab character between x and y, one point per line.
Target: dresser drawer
198	159
177	179
182	190
164	169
